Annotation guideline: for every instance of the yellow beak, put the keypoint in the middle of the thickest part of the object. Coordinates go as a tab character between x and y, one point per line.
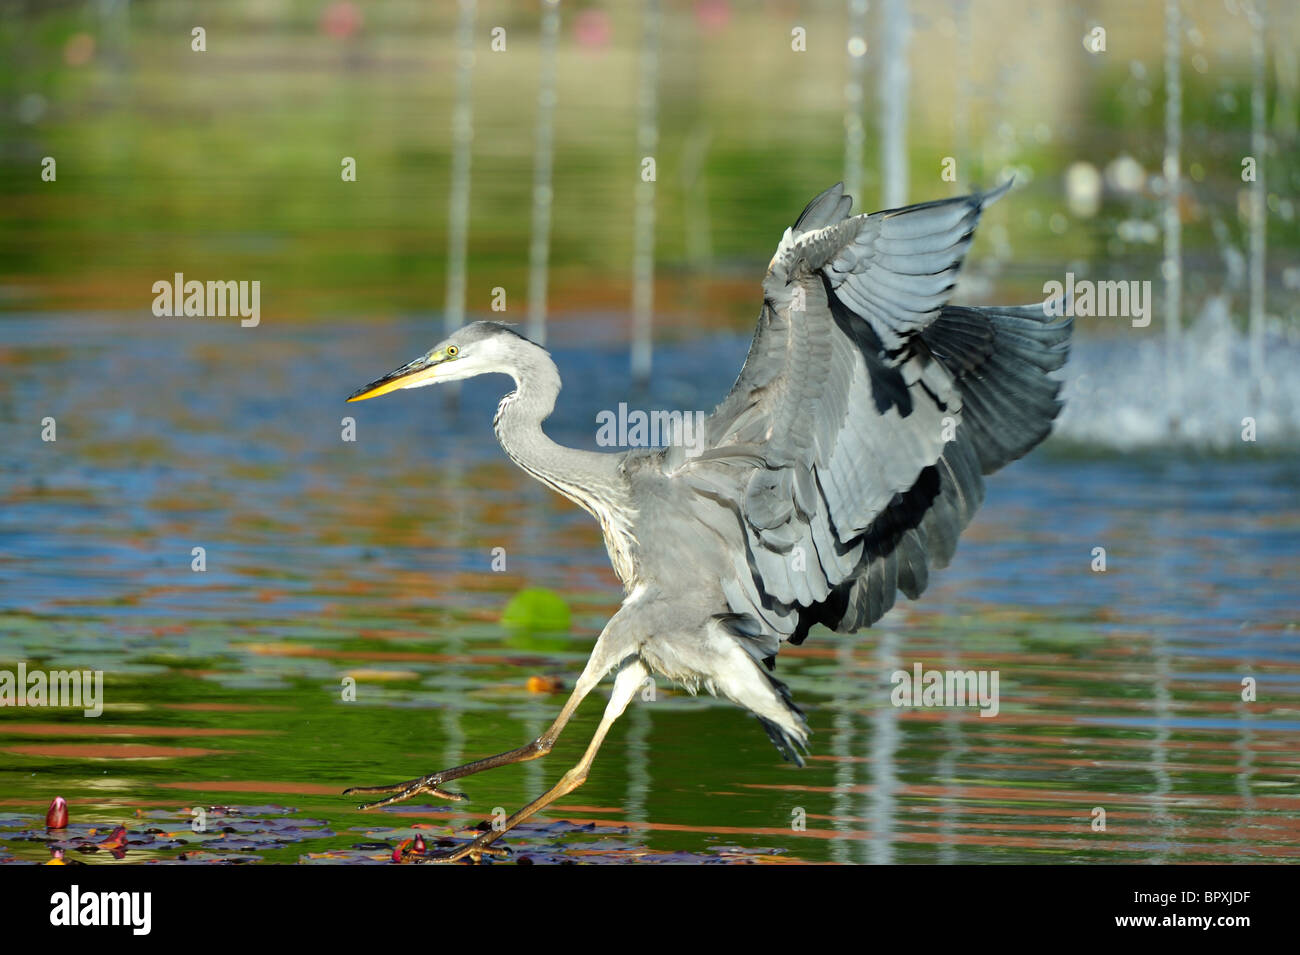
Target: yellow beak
422	369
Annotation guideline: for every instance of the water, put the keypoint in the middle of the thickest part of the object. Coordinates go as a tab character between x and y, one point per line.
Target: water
327	559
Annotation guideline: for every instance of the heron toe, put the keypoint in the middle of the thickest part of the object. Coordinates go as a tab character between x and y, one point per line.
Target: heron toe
470	850
402	791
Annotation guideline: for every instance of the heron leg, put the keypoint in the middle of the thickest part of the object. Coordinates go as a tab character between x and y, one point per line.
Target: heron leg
431	784
629	679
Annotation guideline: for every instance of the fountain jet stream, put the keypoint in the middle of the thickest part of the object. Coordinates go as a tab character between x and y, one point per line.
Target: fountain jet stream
1258	207
462	135
647	138
854	134
1172	265
895	77
539	249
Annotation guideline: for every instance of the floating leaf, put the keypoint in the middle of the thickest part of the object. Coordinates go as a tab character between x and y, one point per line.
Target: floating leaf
537	610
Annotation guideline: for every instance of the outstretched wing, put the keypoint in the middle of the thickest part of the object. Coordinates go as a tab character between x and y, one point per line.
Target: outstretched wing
848	453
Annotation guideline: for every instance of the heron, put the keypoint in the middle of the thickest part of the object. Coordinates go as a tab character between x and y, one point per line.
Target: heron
836	473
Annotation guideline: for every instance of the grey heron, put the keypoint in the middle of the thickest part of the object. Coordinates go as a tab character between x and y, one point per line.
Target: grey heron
838	471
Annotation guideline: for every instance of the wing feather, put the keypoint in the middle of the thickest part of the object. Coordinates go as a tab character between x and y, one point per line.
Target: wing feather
847	458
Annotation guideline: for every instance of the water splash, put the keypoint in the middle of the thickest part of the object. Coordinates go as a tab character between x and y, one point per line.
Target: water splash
1113	396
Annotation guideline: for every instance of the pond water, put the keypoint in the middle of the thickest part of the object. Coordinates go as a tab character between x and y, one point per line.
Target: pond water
373	559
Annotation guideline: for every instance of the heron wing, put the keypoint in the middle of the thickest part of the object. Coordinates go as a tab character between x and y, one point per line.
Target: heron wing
849	451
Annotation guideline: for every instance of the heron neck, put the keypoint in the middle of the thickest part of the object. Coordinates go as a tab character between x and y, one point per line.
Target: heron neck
587	478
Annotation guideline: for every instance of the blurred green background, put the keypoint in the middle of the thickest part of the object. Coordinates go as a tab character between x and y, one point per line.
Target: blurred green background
226	163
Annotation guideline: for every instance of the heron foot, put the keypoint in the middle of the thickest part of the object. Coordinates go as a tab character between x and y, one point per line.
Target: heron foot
430	785
473	851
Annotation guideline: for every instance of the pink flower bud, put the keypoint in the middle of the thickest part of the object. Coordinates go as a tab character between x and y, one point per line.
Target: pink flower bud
57	816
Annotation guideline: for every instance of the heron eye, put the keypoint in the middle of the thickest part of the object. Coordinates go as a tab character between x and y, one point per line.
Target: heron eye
452	351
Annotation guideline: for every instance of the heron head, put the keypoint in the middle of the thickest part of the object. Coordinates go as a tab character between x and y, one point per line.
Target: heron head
477	349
